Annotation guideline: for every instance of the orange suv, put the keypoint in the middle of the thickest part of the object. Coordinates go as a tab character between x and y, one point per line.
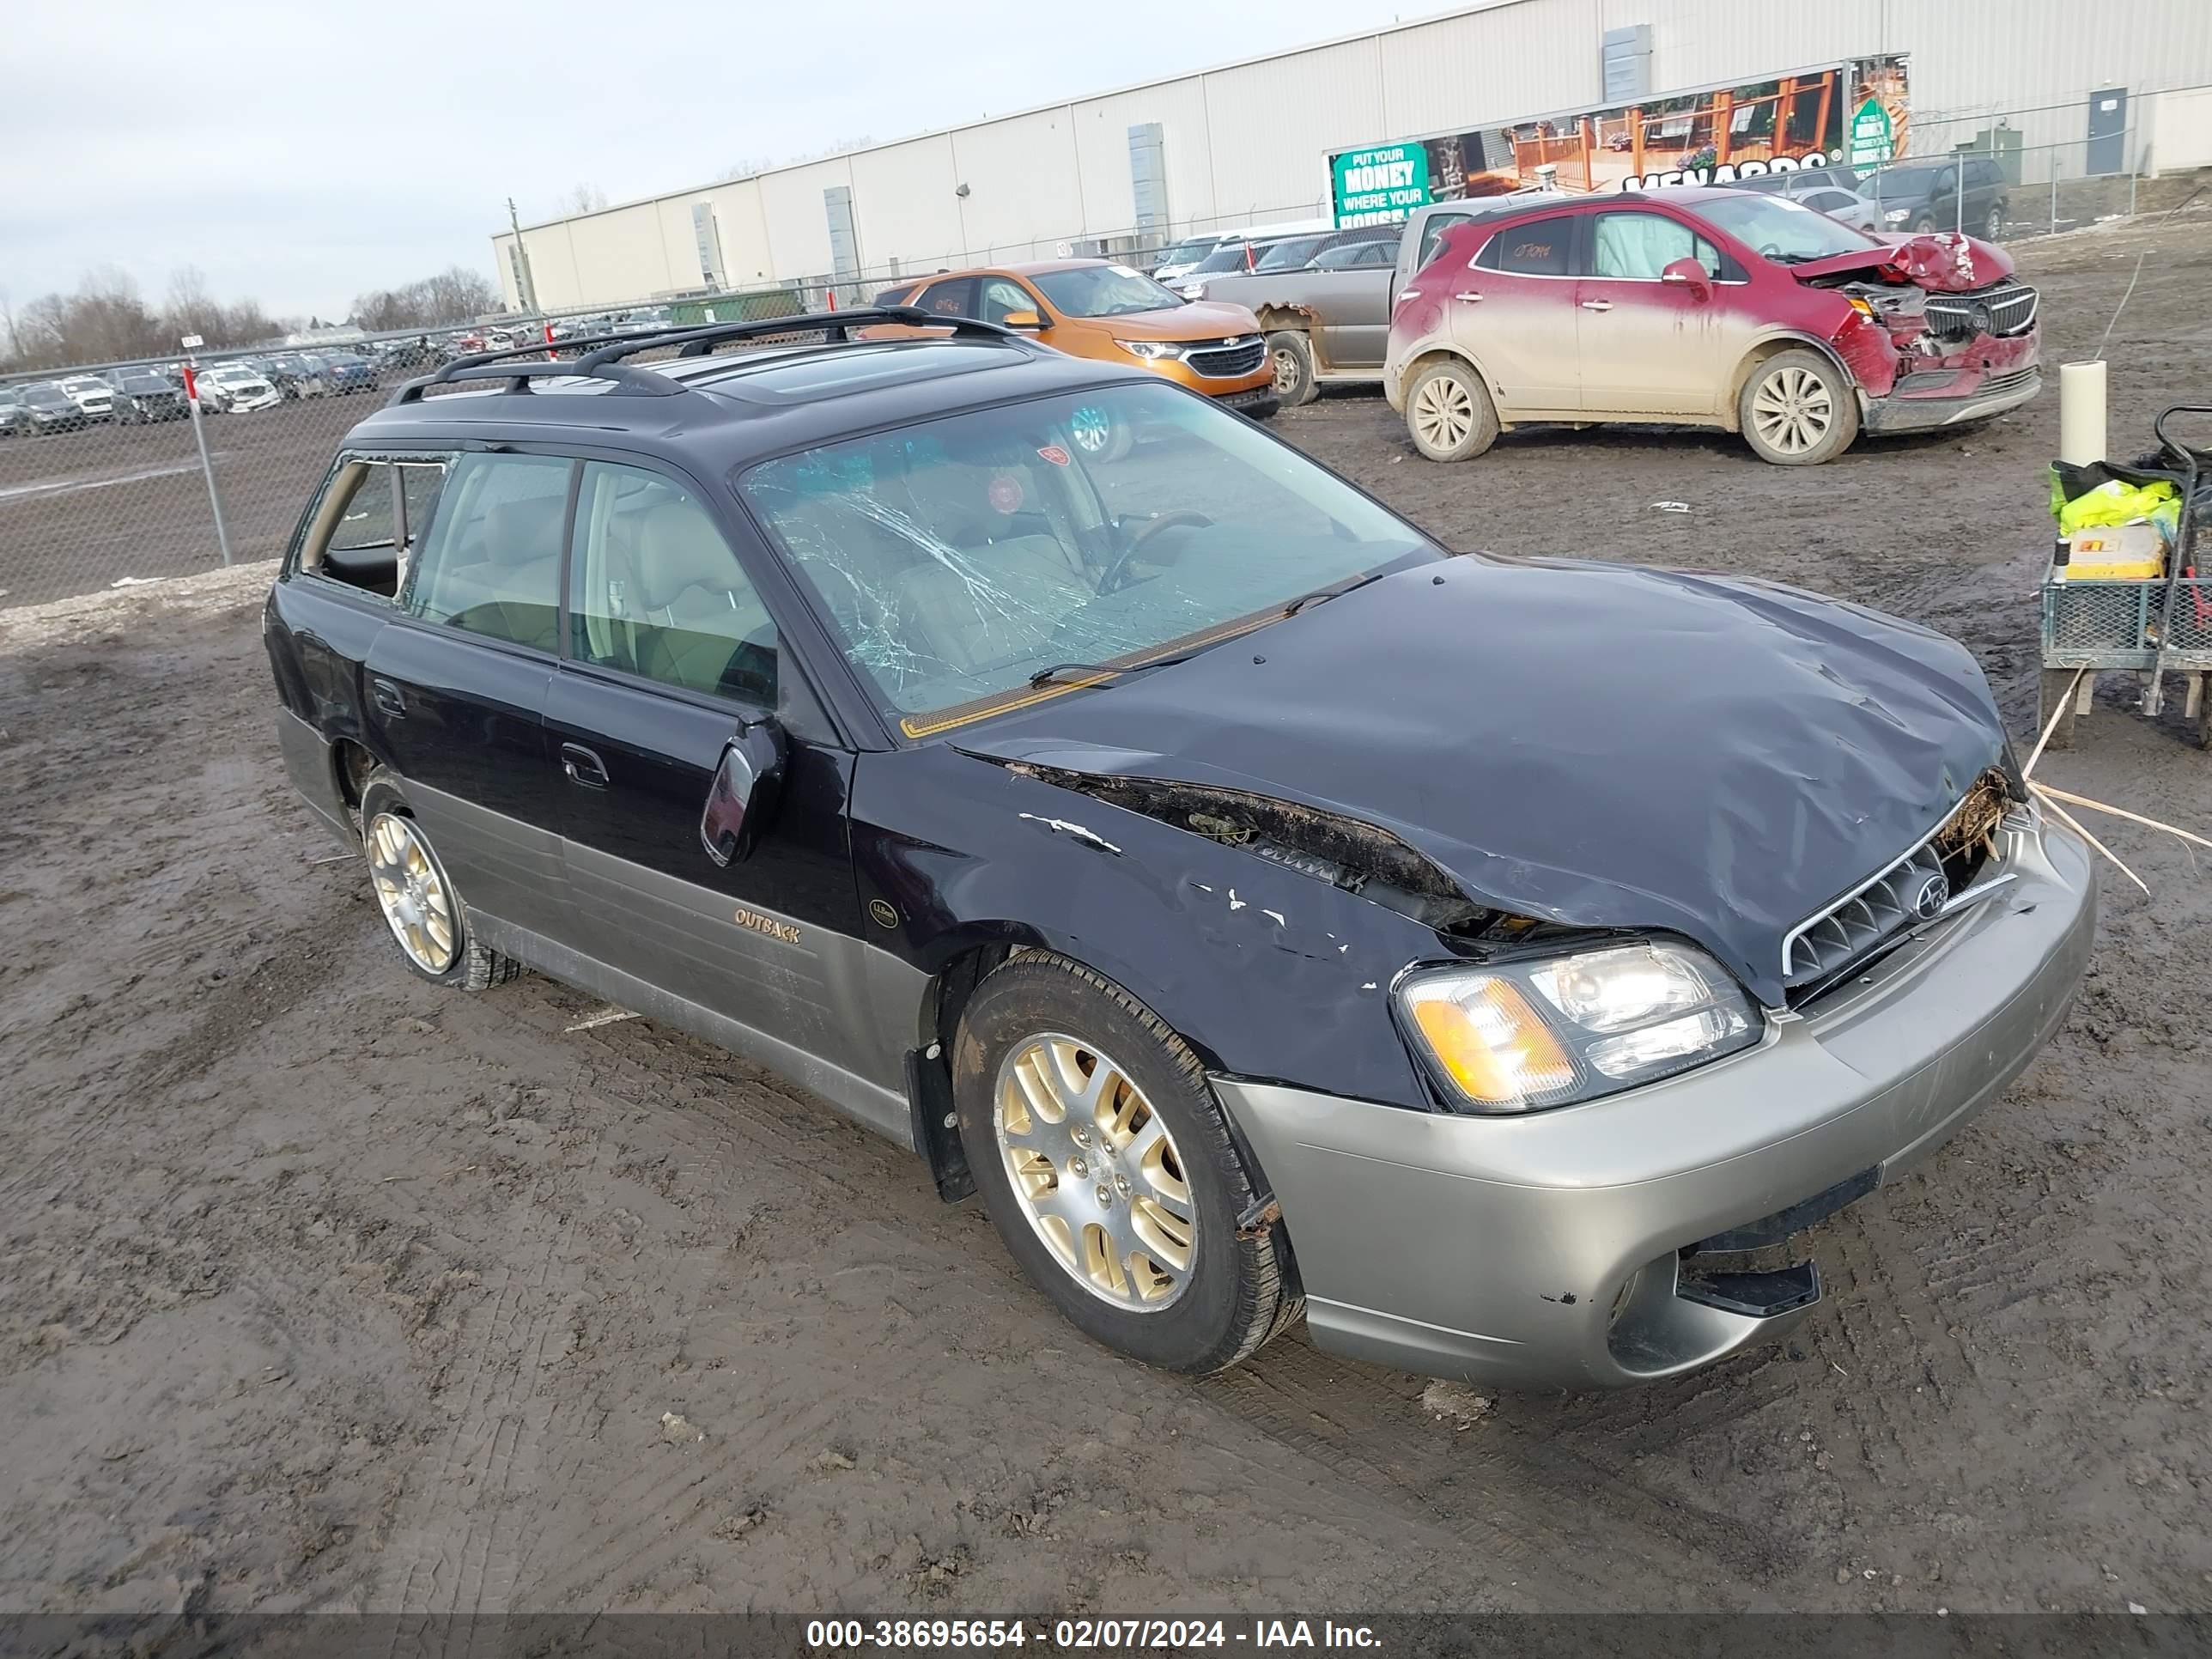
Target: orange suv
1096	308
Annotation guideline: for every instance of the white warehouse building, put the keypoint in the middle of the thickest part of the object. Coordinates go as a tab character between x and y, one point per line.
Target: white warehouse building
1587	93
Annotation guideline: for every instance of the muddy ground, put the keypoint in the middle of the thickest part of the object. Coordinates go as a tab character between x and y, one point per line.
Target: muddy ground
321	1287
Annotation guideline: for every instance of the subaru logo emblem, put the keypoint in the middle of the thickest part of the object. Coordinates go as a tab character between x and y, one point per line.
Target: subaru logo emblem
1927	902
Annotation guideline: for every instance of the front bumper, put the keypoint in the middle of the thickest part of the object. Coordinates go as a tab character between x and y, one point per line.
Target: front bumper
1226	388
1545	1251
1259	402
1973	383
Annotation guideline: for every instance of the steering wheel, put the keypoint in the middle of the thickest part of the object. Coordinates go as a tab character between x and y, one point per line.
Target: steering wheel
1772	251
1111	582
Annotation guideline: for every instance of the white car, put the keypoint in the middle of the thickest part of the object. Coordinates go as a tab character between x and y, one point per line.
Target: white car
1844	206
233	389
91	394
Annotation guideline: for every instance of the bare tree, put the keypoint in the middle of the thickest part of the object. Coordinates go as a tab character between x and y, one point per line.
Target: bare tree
453	295
583	198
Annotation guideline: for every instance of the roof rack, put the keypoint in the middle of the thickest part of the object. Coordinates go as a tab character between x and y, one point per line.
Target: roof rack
604	362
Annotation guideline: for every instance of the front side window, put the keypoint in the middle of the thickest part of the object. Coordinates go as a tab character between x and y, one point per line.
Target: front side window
958	558
1293	255
491	563
1542	248
655	591
1638	247
1107	291
1355	256
1001	295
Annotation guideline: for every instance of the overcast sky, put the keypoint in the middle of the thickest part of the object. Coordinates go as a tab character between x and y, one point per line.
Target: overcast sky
305	152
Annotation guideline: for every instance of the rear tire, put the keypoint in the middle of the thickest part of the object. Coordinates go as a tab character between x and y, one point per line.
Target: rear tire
426	916
1449	412
1291	355
1797	408
1993	225
1124	1209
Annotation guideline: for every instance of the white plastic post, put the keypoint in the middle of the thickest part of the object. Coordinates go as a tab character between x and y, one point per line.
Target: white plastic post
2082	412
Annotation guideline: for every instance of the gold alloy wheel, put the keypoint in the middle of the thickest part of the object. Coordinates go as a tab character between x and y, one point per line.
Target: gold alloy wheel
1287	371
1096	1172
416	906
1444	411
1793	409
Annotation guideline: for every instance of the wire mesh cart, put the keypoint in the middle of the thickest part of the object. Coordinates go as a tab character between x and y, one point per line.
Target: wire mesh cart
2152	627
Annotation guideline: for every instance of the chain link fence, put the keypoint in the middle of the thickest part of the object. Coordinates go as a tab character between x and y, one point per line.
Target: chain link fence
102	484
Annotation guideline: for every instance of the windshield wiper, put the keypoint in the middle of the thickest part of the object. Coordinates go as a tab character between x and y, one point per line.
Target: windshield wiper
1076	671
1333	590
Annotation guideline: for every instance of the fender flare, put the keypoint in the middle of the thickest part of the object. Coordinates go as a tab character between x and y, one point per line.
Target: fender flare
1782	339
1395	385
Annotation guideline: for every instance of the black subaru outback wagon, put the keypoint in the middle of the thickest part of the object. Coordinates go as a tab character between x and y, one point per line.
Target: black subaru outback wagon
1262	907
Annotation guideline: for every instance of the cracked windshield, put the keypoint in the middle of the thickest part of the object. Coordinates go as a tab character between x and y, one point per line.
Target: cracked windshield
963	560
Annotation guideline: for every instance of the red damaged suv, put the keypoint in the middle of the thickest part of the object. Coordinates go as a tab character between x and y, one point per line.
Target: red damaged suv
1709	306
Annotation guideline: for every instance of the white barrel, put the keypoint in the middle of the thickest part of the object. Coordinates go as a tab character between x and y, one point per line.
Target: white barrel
2082	412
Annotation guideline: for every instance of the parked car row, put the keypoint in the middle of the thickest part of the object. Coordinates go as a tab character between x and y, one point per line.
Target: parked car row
1744	309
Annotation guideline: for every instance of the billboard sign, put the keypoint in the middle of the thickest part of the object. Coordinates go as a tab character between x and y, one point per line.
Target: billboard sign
1377	186
1852	112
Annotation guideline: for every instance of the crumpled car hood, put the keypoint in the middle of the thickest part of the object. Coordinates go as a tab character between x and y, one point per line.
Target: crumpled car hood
1942	262
1596	744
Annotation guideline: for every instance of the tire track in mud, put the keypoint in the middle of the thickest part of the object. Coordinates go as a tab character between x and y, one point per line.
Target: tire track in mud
1521	1494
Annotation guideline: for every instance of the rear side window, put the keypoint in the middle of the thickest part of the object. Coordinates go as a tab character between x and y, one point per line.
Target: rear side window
655	590
955	297
1432	233
1542	248
491	564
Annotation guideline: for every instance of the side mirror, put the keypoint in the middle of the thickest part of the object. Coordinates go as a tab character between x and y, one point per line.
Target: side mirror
1025	320
1688	273
741	801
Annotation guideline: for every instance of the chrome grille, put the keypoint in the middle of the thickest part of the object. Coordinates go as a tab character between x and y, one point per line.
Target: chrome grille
2005	309
1227	362
1913	890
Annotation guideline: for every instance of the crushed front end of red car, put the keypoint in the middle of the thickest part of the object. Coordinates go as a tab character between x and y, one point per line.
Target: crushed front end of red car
1942	331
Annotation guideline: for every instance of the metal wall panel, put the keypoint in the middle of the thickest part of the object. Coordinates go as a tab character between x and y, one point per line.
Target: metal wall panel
1102	146
619	255
1022	186
745	230
903	203
791	205
1704	43
1527	58
1271	124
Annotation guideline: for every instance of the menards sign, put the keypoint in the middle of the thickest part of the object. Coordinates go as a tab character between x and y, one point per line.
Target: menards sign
1853	112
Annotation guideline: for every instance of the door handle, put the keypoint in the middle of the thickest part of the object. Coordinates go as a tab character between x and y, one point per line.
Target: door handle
1469	294
387	697
583	766
1597	304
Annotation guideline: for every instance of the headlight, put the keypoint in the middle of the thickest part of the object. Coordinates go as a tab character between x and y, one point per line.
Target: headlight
1897	216
1150	350
1516	1037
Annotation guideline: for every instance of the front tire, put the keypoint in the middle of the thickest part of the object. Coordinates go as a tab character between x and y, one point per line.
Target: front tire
1291	355
1448	411
425	914
1797	408
1108	1171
